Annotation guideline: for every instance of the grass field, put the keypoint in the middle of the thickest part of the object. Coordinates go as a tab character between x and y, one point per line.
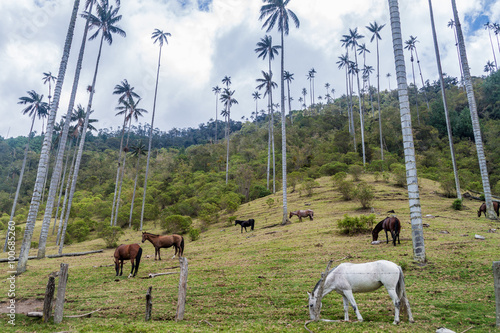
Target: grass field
257	281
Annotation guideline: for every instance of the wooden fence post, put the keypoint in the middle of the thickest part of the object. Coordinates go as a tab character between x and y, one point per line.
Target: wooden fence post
149	303
49	296
181	301
61	293
496	282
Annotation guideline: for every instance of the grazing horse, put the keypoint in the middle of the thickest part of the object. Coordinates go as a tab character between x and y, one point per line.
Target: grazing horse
244	224
303	213
391	224
348	278
165	241
482	209
125	252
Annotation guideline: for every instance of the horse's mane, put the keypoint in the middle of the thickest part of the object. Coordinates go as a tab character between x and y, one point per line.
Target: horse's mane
378	227
149	233
317	284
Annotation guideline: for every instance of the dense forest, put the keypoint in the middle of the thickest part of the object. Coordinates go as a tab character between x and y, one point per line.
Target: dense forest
187	168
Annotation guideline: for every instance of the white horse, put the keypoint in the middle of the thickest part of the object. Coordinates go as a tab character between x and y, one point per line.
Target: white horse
348	278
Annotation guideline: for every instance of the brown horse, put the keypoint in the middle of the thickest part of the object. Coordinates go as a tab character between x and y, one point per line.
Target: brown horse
165	241
391	224
126	252
303	213
482	209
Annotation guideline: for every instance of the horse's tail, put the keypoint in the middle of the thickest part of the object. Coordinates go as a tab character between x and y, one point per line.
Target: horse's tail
253	223
138	259
181	247
401	291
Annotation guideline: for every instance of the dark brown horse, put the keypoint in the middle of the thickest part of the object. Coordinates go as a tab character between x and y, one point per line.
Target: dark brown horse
390	224
245	223
165	241
303	213
126	252
482	209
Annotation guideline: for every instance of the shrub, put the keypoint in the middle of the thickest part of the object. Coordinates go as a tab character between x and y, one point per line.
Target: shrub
399	172
270	202
364	193
448	185
109	234
78	230
194	234
330	169
356	225
338	177
309	185
356	171
457	204
209	213
258	191
230	202
346	188
292	180
177	224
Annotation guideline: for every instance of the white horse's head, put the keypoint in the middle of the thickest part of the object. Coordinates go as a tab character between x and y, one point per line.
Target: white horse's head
312	305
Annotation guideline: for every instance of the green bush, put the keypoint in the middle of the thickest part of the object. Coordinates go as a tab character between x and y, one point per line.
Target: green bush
194	234
346	188
177	224
447	183
338	178
330	169
309	185
209	213
78	230
109	234
364	193
356	171
356	225
399	172
457	204
258	191
270	202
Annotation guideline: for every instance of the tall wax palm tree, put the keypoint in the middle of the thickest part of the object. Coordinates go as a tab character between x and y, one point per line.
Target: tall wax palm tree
375	29
268	83
228	100
474	116
304	93
327	86
488	26
256	96
135	151
367	71
105	23
35	107
227	81
216	91
411	167
448	126
421	76
345	63
56	174
312	75
388	76
159	37
288	77
46	146
48	78
127	95
489	67
410	46
451	24
276	12
496	30
130	109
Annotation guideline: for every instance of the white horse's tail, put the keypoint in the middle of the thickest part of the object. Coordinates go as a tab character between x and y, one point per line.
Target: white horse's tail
401	292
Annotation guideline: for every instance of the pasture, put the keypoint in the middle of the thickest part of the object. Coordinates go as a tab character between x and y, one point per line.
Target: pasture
258	280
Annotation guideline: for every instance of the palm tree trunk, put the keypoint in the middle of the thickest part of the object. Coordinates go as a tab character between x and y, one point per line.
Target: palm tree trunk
378	102
151	139
289	103
133	193
228	108
448	126
272	143
416	90
269	141
411	167
122	174
423	83
61	186
118	169
475	119
362	123
20	181
80	147
56	174
44	155
283	132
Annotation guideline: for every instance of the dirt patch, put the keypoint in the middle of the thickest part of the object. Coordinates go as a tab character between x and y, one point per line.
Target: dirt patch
24	306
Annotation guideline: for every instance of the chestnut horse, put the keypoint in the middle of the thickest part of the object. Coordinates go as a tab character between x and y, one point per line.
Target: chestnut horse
166	241
482	209
303	213
126	252
391	224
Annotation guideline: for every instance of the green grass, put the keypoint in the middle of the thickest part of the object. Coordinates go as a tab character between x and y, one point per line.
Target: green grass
257	281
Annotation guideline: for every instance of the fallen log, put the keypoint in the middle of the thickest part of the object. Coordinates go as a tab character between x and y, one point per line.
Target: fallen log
152	275
40	314
56	255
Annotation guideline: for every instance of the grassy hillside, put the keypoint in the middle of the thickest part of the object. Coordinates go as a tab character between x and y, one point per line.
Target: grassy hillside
257	281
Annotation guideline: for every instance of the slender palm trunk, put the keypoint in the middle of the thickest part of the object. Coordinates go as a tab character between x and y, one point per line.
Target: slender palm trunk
411	168
151	139
423	83
44	155
122	174
458	54
378	102
492	48
361	118
133	193
416	89
20	181
289	102
56	174
61	186
80	147
475	119
269	106
118	169
443	94
283	131
228	110
216	106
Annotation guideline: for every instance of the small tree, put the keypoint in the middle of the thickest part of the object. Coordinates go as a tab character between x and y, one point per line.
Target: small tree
364	193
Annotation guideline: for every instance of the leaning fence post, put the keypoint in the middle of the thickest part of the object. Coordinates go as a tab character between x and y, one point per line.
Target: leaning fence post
181	302
496	282
149	303
61	293
49	296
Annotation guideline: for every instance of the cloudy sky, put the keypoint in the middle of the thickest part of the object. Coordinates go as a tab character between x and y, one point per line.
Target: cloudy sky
211	39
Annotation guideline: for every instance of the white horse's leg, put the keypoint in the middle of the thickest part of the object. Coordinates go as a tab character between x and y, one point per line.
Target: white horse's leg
346	308
348	294
397	304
